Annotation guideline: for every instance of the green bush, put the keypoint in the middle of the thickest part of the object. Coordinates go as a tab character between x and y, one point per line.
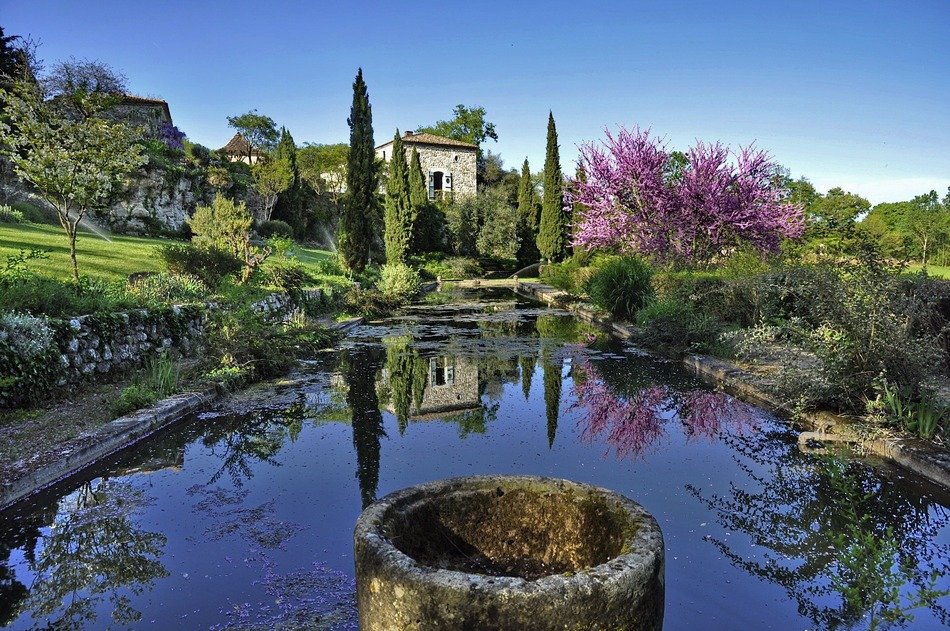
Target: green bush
866	325
398	281
209	264
438	265
132	398
36	214
275	228
165	288
726	296
9	215
29	358
677	328
286	275
368	302
621	287
56	298
570	275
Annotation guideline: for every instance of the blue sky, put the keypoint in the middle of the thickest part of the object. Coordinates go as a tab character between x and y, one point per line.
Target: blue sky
853	94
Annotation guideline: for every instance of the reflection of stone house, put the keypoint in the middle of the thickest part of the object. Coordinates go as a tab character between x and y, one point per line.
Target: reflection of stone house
449	165
140	111
239	149
452	386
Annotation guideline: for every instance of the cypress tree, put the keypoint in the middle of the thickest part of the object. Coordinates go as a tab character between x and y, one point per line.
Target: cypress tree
289	205
398	224
527	219
360	207
527	363
552	234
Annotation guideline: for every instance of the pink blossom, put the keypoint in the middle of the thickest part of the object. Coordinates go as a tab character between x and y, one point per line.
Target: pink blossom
636	203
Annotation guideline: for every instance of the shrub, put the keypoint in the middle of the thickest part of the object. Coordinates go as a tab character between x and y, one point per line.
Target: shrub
9	215
209	264
29	357
865	326
134	397
720	294
571	275
227	226
398	282
676	327
36	214
56	298
286	275
437	265
368	302
275	228
621	287
164	288
329	267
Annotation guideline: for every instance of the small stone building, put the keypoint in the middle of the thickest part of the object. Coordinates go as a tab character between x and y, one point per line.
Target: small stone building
141	111
449	165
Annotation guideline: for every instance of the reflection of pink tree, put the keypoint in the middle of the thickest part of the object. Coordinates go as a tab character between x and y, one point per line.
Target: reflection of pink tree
710	413
632	424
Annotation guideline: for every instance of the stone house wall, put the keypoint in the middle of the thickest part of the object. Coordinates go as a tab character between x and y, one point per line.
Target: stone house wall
460	162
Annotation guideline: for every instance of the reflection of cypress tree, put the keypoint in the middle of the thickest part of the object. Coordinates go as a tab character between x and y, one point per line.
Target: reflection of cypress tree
552	392
12	591
527	372
408	377
359	371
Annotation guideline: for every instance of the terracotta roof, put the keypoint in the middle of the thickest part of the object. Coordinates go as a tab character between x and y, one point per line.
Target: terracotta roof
424	138
134	99
238	145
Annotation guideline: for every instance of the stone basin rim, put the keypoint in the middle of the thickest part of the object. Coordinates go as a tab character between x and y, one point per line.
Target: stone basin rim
645	545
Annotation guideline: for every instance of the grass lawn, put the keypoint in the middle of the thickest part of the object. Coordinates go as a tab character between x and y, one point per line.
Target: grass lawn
114	259
939	271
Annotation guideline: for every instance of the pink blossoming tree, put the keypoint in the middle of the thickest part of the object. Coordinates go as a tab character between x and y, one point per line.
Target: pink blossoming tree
637	198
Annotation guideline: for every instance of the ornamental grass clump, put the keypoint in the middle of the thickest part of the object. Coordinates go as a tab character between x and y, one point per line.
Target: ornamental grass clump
621	287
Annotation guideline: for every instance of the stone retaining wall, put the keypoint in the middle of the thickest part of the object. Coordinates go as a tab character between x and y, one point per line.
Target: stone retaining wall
100	344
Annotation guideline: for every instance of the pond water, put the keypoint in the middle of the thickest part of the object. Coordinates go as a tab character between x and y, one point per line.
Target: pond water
243	517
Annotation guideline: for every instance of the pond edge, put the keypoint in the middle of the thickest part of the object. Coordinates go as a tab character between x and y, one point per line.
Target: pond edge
913	454
122	433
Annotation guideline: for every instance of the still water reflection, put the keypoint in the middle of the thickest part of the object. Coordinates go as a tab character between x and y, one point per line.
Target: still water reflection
243	518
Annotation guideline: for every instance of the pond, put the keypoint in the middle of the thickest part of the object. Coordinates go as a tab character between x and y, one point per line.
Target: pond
243	517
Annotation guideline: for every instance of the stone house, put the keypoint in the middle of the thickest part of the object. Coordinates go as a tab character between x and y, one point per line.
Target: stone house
449	165
141	111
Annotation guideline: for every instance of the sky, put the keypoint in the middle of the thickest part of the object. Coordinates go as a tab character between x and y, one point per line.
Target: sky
850	94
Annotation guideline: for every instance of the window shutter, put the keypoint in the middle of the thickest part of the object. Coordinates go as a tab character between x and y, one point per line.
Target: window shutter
447	181
431	186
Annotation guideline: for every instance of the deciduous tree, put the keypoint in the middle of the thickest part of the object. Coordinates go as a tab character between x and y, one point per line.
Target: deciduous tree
258	130
634	206
75	163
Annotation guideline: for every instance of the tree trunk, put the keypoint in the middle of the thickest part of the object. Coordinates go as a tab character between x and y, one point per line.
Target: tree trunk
71	232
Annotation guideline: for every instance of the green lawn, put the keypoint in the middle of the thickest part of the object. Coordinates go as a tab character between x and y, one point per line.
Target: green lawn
114	259
939	271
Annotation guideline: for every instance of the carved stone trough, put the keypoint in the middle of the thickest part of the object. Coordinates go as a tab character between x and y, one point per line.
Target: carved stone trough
508	552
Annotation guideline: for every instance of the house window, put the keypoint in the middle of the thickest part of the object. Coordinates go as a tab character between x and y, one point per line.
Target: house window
441	371
384	156
440	185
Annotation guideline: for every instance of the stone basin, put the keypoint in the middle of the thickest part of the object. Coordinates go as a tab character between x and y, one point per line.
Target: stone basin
508	552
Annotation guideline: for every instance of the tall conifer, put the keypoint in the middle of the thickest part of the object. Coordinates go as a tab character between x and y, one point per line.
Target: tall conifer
360	207
527	218
398	220
552	234
289	205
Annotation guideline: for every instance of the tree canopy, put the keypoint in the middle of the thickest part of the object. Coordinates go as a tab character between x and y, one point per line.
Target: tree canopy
75	163
468	125
260	132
